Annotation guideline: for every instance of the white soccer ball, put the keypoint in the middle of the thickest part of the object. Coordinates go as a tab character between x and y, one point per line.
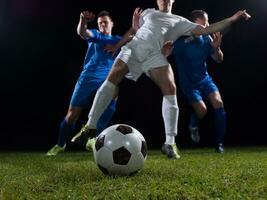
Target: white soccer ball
120	150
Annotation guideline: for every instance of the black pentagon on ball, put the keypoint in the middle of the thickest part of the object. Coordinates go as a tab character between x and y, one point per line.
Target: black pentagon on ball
124	129
103	169
121	156
144	148
99	142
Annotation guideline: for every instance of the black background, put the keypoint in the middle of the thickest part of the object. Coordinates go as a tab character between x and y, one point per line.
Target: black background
41	57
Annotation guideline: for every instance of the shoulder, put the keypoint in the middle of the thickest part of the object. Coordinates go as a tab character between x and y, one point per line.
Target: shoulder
179	17
116	37
94	32
148	10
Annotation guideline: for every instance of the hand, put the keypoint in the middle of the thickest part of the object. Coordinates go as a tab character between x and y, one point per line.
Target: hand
217	40
136	16
167	48
111	49
239	15
87	16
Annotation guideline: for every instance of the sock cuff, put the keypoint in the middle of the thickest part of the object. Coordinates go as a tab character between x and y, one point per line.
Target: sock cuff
109	84
171	98
219	110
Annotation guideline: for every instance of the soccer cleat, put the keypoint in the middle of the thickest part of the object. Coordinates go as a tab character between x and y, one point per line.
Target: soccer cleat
170	150
194	134
219	148
90	144
55	150
83	136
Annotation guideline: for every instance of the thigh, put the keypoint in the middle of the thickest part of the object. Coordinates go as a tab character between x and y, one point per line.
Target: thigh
164	79
83	91
117	72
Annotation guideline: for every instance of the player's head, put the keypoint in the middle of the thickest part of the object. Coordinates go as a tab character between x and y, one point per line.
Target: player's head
165	5
199	17
104	22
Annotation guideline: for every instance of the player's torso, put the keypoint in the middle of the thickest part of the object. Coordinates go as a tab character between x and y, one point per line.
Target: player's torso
191	54
97	60
158	26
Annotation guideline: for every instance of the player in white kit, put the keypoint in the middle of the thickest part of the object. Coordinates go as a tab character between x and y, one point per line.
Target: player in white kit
143	55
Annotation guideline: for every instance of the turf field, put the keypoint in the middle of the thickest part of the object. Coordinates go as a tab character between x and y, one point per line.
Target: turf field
240	173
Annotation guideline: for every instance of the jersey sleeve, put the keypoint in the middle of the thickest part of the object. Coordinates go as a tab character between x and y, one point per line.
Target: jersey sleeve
187	26
95	36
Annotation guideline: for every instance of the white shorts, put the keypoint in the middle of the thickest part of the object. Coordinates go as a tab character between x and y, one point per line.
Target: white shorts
141	58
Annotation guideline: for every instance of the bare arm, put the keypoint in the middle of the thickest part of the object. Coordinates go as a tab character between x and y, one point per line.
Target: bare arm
216	43
128	36
221	25
82	30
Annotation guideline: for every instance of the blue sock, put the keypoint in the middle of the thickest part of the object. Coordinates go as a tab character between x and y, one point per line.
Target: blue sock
220	125
106	117
65	130
193	120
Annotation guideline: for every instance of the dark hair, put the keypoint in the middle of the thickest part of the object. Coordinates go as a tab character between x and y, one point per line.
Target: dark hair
195	14
104	13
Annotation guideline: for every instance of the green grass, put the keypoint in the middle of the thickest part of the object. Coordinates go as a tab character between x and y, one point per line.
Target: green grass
240	173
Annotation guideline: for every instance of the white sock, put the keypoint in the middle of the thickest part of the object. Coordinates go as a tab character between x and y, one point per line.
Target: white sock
170	112
170	139
102	99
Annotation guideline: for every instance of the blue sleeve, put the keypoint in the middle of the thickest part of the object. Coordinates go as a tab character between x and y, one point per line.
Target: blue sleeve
102	39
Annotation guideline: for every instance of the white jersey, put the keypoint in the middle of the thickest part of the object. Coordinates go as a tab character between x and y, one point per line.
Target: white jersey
160	27
143	52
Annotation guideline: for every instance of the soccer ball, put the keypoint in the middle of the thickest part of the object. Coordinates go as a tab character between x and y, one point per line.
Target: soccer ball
120	150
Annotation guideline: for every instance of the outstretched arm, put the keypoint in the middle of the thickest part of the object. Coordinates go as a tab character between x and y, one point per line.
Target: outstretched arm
221	25
82	30
128	36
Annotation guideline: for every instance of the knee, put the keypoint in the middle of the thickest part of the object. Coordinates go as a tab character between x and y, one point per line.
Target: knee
201	113
218	103
169	89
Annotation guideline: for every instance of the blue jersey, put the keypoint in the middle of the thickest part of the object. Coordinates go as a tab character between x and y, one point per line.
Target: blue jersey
190	55
96	66
97	62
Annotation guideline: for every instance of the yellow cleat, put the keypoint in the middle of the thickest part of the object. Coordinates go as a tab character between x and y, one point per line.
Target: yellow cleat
55	150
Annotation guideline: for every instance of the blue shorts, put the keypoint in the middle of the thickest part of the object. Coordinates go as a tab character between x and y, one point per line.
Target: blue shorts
202	90
83	91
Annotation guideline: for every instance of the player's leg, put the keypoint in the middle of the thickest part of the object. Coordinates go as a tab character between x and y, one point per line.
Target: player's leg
105	118
164	78
102	99
220	119
199	112
103	122
66	129
106	92
80	99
